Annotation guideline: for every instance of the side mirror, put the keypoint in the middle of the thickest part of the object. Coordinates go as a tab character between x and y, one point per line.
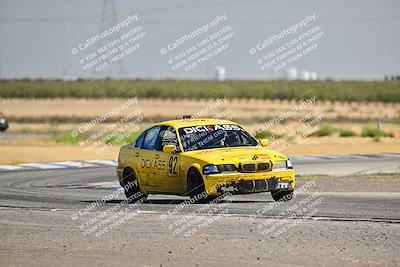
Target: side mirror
264	142
169	148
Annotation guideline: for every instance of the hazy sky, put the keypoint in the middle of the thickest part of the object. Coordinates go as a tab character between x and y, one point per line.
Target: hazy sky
361	37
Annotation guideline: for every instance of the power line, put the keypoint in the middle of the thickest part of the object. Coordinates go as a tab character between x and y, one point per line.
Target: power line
91	18
143	11
232	21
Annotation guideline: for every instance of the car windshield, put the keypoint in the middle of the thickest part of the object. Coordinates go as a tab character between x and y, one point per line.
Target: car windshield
214	136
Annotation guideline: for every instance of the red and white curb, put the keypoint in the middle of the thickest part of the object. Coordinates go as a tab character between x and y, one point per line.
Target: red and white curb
59	165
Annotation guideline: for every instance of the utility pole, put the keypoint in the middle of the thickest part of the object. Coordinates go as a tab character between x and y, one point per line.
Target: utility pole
108	19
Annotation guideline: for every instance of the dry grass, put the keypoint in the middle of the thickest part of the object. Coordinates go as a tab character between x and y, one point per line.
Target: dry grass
157	109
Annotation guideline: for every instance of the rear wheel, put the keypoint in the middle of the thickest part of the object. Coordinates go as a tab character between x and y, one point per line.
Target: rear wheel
131	187
282	195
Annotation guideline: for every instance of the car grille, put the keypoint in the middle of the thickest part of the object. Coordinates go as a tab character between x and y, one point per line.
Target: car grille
263	167
252	167
248	167
257	185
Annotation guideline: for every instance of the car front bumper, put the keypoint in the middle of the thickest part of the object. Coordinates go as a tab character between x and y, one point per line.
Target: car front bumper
244	183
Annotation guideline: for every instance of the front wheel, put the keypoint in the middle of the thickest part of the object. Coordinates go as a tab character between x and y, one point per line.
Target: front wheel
196	188
282	195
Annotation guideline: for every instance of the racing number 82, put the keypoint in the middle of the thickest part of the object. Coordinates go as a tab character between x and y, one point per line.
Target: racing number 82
172	162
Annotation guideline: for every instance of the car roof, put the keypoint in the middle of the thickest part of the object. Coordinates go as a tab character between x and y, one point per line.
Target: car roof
194	122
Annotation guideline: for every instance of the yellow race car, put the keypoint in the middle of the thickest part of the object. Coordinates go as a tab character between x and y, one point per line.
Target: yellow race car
203	159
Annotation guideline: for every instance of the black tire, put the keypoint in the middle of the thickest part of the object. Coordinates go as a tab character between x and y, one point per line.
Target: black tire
196	188
282	195
132	188
3	125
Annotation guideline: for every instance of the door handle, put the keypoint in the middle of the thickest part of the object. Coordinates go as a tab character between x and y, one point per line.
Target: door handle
137	154
157	156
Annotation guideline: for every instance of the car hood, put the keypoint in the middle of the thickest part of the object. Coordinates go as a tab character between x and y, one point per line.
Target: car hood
235	155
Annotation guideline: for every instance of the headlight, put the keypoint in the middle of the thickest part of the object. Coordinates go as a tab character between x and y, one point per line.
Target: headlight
289	164
210	169
222	168
282	165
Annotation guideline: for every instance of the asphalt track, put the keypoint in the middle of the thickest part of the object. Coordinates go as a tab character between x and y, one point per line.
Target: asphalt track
351	209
